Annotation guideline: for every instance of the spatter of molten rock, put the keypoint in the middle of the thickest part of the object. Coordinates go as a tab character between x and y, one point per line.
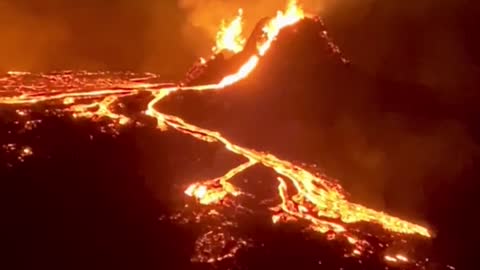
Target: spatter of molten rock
315	199
304	196
229	37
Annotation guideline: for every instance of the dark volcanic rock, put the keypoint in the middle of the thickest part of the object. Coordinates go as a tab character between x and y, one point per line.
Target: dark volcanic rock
394	146
87	199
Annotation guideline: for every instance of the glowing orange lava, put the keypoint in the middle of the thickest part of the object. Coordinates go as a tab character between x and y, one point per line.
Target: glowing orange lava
292	15
302	194
229	37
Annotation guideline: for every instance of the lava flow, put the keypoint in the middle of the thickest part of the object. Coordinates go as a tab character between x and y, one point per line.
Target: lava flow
304	196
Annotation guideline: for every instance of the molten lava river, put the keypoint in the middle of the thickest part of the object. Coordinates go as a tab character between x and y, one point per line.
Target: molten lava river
305	197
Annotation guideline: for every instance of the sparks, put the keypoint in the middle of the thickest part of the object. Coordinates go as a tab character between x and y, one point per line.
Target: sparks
399	258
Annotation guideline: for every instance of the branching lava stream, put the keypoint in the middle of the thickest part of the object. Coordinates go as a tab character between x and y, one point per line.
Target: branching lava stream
304	196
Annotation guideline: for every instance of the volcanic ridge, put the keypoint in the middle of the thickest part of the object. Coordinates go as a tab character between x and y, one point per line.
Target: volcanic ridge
117	183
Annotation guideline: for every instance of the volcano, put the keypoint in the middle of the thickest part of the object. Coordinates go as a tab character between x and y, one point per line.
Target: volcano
154	182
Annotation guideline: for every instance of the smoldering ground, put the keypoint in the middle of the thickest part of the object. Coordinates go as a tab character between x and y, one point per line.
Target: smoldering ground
422	42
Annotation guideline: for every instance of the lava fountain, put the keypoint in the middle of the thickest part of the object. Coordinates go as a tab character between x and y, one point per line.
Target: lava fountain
304	196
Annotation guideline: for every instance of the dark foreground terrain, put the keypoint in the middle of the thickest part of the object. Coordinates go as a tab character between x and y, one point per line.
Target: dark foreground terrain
93	198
